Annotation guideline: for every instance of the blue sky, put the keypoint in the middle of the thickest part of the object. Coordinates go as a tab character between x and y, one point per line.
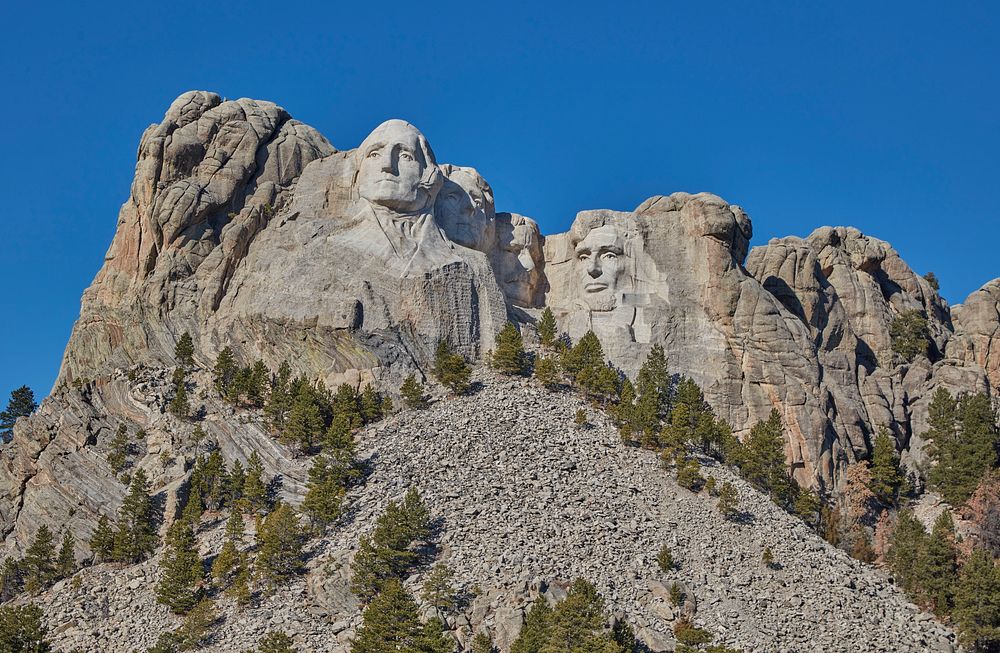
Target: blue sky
883	116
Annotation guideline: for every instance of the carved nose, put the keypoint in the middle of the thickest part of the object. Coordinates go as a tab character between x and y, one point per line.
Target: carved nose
594	269
388	164
527	262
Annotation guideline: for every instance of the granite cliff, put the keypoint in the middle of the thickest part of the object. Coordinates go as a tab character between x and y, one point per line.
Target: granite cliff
247	229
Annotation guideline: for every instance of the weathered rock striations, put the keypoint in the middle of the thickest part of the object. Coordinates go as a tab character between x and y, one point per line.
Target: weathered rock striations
847	288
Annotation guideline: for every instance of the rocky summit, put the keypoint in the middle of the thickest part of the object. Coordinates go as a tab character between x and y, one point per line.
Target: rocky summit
249	235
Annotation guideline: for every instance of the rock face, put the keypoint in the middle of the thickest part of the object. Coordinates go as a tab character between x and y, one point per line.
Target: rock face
248	229
977	331
847	288
527	502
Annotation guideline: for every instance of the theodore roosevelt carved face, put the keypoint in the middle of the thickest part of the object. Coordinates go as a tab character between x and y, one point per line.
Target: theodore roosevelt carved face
397	170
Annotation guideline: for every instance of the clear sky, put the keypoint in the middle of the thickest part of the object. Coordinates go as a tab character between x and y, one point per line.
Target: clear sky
880	115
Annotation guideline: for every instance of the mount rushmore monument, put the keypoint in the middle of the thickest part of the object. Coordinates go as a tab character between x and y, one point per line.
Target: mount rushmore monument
248	229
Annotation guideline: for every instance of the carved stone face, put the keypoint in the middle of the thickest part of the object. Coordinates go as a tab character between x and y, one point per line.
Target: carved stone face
464	208
518	258
601	264
392	167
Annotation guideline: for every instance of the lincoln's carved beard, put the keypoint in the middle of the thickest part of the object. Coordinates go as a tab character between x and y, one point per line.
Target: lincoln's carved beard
600	265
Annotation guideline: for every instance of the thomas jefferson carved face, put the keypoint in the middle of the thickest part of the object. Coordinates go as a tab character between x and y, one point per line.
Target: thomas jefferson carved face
464	208
396	168
518	257
601	263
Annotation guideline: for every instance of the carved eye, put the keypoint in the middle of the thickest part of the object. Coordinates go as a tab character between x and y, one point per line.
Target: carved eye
478	203
609	255
374	154
406	156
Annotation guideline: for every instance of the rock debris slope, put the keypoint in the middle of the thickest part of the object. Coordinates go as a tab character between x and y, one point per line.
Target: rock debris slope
527	502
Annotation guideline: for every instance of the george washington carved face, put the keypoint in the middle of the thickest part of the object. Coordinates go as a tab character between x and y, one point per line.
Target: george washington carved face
396	168
600	265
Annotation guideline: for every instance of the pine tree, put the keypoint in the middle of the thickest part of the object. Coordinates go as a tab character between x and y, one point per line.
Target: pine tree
807	507
535	631
275	642
509	357
689	475
66	561
240	589
450	369
225	564
886	478
179	405
655	384
258	384
184	351
729	501
225	371
235	480
235	526
11	579
255	498
546	371
910	335
391	624
21	404
136	537
906	551
437	590
180	584
977	602
22	630
413	393
281	540
601	382
39	561
102	541
347	403
390	551
305	424
118	450
193	508
625	414
965	437
547	328
482	643
764	461
325	491
665	559
586	356
197	626
371	405
932	280
939	565
579	623
279	401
